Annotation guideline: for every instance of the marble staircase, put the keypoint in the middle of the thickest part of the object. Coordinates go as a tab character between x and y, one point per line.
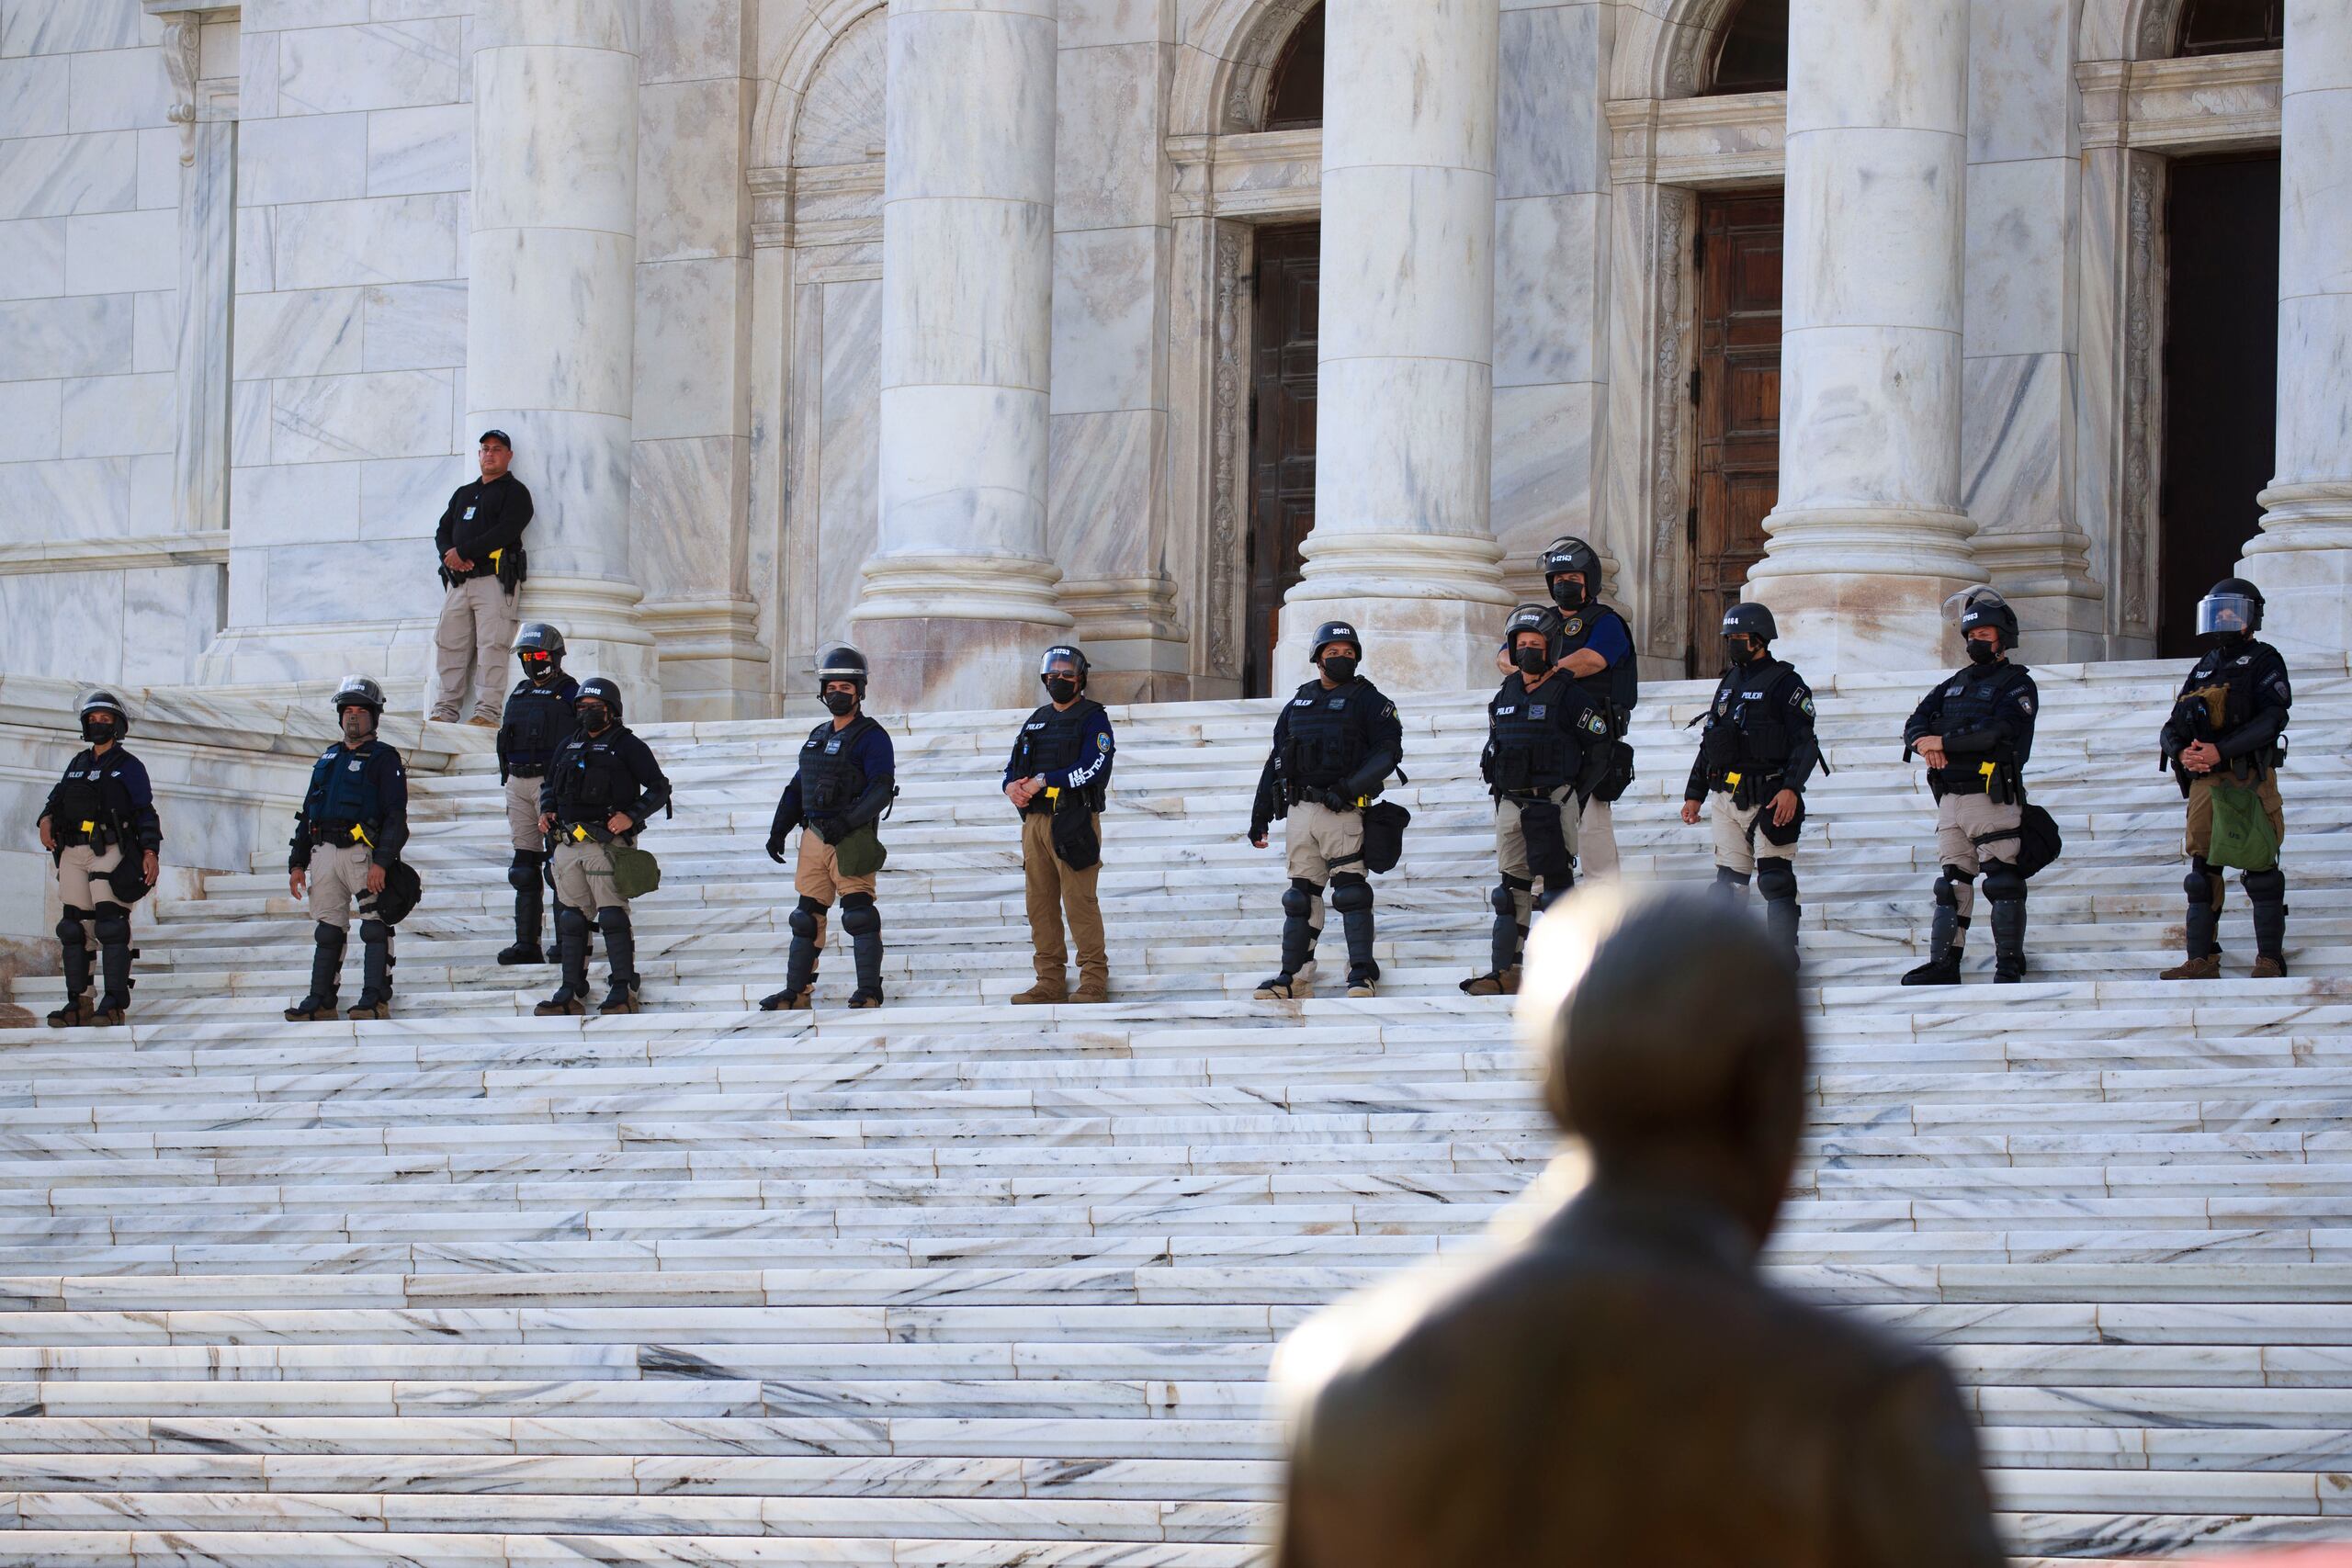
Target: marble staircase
952	1284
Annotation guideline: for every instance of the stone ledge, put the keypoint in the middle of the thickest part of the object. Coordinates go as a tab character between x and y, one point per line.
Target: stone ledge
132	552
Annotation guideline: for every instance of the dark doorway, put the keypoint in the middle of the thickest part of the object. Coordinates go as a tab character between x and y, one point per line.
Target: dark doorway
1281	434
1737	389
2221	378
2232	27
1752	53
1295	99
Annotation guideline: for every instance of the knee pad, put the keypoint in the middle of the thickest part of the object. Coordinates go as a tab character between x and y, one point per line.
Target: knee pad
524	875
2202	885
1350	894
1298	899
373	931
571	922
803	922
2262	887
69	925
861	920
612	920
326	935
114	924
2002	883
1507	895
1946	893
1776	879
1727	879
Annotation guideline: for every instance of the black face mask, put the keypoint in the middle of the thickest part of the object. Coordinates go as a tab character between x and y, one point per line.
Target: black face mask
1739	650
1339	670
1530	661
1062	690
594	718
838	704
543	671
96	731
1568	595
1982	653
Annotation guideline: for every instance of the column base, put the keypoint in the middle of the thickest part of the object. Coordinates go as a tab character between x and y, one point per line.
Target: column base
2303	562
1856	589
944	631
1430	608
1135	649
603	633
713	664
2046	576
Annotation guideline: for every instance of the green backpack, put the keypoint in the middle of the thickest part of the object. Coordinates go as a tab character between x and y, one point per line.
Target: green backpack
634	872
2242	833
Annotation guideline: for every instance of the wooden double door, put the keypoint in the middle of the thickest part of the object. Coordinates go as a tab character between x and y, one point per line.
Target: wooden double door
1735	387
1281	434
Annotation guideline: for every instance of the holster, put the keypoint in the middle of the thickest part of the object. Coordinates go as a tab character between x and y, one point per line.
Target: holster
1077	843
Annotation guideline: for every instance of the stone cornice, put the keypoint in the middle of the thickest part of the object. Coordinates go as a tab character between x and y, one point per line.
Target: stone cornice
130	553
2208	103
1737	138
1262	174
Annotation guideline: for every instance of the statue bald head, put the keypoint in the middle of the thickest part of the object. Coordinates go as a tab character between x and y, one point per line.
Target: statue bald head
1669	1026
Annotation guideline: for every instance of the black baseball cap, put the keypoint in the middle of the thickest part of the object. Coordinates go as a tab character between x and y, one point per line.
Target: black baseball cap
498	436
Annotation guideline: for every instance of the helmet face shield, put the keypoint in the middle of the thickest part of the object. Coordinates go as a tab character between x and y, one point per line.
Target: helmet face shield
2227	615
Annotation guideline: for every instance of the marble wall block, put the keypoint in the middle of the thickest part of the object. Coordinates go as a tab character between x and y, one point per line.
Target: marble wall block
312	332
684	40
1107	154
414	150
684	494
68	26
370	66
121	252
2021	295
1551	136
79	335
297	503
155	328
687	316
31	420
399	239
689	150
1109	316
256	69
33	94
414	326
159	165
402	497
118	89
47	176
1106	467
32	258
366	580
849	419
119	416
397	413
85	498
1548	298
172	614
60	624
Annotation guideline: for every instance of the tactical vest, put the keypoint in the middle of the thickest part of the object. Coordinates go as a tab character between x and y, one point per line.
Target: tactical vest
1615	690
1053	740
91	805
343	794
593	778
1323	744
1531	755
1972	700
830	780
2226	684
537	722
1749	714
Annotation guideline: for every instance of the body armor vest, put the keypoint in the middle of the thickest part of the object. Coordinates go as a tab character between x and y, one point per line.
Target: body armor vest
1323	744
2221	696
1054	740
1615	690
592	779
1532	755
537	722
1748	732
1971	701
343	794
830	780
91	805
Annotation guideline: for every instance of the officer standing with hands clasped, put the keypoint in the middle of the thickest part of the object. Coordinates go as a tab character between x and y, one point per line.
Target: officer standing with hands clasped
600	790
1755	755
1545	733
538	722
346	837
479	540
2228	728
97	819
1337	740
1597	649
847	777
1974	732
1058	777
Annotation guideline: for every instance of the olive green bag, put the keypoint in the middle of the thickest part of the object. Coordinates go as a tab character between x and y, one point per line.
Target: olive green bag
2241	834
862	854
635	873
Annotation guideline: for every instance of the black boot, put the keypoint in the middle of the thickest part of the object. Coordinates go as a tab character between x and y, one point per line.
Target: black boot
2008	941
1508	940
1298	943
326	975
862	921
73	947
375	971
799	963
571	946
1777	880
620	952
1944	940
2268	891
530	908
1351	895
115	953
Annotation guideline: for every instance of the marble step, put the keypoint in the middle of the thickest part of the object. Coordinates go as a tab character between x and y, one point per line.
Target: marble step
328	1549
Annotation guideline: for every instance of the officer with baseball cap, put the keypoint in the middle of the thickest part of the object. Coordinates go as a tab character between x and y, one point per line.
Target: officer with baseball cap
480	541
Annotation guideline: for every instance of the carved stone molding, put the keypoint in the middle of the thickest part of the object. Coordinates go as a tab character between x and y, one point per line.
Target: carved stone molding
1699	143
1260	46
2208	104
1668	506
181	35
1229	379
1265	174
2140	394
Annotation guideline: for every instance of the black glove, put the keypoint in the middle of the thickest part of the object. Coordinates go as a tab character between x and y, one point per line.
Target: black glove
1335	801
1258	830
776	848
833	829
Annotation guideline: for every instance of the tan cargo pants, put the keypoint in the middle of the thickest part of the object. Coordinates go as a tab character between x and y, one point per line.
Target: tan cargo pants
476	629
1053	890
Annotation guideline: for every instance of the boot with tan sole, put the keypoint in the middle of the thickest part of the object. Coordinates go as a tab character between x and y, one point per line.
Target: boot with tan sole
1044	993
1092	993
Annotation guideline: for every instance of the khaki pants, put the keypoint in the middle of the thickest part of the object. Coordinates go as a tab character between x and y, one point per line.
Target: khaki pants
817	873
1738	834
523	815
1511	847
476	628
2199	837
81	878
1053	890
1314	836
583	876
1970	830
338	879
1594	842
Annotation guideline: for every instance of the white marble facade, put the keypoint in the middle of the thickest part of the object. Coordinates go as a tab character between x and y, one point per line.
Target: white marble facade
929	322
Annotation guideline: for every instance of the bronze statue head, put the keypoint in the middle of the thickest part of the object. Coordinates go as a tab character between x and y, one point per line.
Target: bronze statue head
1672	1043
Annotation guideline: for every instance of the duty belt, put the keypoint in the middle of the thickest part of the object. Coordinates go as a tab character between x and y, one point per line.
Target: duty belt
341	833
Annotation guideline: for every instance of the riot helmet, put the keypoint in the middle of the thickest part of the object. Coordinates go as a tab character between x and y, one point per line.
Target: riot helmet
1567	555
1329	633
842	662
1062	671
1541	619
1973	609
600	689
114	722
540	647
1747	630
359	691
2232	608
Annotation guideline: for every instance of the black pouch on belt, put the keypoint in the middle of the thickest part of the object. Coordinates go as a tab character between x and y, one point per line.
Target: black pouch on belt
1384	835
1548	846
1078	844
1784	837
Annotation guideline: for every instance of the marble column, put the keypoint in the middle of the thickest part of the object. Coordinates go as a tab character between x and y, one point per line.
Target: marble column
1402	543
551	312
2302	557
958	598
1870	536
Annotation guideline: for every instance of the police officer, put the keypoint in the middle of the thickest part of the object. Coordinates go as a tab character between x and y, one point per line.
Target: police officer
1337	740
353	823
479	540
538	722
1974	732
847	777
1544	736
2229	722
99	812
600	790
1597	649
1056	778
1755	755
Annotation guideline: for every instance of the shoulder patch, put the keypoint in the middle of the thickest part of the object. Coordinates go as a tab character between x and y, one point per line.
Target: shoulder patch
1102	741
1594	723
2026	703
1804	703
